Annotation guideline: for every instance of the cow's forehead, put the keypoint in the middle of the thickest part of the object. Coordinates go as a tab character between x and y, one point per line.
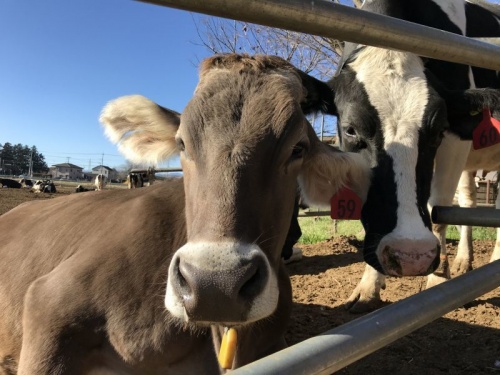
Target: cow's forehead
240	101
232	65
396	87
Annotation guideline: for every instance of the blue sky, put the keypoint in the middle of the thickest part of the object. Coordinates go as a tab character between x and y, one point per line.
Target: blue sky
62	60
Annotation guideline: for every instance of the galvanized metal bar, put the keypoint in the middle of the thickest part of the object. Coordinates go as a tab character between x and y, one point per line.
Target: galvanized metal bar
159	170
480	216
328	19
339	347
495	41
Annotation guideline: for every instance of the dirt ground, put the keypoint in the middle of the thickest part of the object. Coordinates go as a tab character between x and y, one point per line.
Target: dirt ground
465	341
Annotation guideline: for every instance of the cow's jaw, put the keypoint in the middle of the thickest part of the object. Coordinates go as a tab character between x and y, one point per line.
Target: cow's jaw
396	87
224	283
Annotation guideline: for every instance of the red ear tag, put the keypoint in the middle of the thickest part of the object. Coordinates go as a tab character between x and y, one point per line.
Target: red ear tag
487	133
345	205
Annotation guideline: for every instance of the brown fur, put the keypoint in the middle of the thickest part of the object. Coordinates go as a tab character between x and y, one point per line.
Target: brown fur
94	290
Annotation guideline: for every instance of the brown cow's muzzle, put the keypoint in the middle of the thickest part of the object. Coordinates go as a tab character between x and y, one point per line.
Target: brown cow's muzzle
221	283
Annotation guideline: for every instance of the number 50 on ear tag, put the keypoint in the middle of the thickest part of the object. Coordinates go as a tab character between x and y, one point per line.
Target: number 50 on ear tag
487	133
345	205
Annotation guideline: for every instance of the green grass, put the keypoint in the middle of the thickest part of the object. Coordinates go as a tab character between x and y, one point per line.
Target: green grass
478	233
320	228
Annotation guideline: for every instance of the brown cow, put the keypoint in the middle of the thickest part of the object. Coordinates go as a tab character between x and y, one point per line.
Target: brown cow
78	299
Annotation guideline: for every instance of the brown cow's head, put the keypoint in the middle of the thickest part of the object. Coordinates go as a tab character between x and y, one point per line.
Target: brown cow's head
244	143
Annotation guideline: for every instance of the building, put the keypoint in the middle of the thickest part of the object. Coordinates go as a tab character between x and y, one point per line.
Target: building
66	171
109	173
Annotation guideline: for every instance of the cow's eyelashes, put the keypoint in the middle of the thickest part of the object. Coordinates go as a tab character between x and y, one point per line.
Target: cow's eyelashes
180	144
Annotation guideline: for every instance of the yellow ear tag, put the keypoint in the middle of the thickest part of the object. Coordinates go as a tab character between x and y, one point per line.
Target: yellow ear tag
228	348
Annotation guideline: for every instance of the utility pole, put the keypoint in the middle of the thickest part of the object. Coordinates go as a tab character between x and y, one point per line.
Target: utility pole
30	168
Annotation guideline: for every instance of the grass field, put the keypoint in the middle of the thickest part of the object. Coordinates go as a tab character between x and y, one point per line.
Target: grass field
320	228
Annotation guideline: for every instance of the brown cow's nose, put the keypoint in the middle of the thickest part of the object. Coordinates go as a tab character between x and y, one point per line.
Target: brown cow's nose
219	294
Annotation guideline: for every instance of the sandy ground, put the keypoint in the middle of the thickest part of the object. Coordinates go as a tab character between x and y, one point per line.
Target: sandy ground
465	341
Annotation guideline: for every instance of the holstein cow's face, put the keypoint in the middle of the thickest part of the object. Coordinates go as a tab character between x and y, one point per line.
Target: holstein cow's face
244	143
394	113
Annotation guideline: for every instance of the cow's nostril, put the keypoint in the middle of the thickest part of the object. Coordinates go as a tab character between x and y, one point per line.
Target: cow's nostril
252	286
182	280
393	261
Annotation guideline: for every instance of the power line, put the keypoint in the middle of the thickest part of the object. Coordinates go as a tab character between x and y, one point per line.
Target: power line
81	153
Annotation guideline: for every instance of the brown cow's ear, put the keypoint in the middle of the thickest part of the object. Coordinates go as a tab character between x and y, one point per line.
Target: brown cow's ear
144	131
319	96
326	170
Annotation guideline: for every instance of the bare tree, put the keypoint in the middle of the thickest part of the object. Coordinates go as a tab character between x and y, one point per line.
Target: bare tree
314	55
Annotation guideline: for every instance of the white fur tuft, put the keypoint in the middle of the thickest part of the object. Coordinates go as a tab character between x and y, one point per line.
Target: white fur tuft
329	170
144	131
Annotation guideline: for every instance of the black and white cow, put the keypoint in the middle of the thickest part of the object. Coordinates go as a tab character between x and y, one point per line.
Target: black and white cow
488	158
410	116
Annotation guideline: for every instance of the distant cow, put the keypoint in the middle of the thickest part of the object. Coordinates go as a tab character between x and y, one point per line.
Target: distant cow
8	183
26	183
100	182
44	186
150	176
80	189
91	298
134	180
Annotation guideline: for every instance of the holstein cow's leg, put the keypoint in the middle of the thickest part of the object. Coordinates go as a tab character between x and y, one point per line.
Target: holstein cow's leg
466	198
58	330
366	295
449	164
496	251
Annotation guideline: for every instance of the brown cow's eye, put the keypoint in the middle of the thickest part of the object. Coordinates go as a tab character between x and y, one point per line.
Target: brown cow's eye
298	151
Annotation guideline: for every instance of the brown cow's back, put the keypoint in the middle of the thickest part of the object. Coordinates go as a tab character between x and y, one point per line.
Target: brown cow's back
107	250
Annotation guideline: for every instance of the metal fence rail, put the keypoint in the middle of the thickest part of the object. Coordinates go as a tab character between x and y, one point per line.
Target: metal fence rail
481	216
325	18
339	347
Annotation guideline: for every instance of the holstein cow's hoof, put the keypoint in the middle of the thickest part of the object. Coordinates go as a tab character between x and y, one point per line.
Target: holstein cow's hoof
461	266
363	306
363	302
433	280
443	270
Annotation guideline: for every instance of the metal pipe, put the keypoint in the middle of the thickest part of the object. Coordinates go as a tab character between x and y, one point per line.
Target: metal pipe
480	216
328	19
487	191
344	345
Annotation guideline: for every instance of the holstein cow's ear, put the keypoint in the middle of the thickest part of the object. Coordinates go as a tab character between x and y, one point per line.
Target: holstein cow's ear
465	109
319	96
327	169
144	131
